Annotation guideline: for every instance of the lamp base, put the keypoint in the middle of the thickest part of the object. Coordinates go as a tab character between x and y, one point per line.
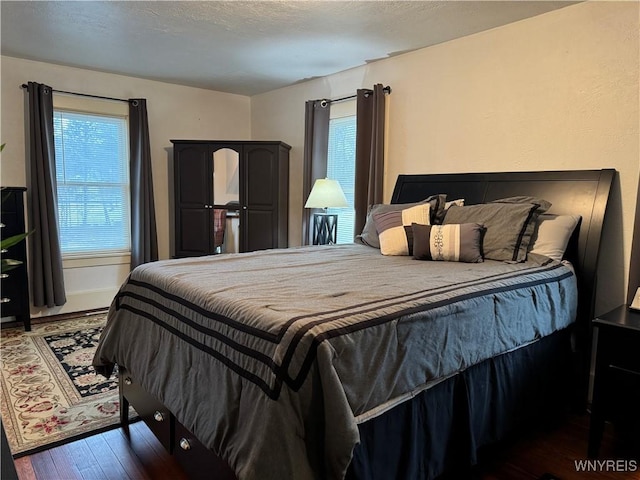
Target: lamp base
325	228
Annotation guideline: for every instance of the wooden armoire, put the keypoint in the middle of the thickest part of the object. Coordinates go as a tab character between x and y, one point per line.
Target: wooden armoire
248	179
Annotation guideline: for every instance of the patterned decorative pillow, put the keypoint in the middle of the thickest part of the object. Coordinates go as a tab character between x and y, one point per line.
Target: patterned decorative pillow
451	243
394	228
369	235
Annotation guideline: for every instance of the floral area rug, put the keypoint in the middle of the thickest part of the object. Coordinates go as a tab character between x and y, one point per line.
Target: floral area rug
50	392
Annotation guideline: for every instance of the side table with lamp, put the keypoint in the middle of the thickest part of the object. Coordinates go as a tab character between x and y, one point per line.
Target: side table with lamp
326	193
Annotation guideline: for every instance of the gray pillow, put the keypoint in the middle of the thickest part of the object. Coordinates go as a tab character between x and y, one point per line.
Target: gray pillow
509	226
369	235
543	205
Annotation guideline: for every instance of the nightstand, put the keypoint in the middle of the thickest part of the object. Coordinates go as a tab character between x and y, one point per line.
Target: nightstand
617	370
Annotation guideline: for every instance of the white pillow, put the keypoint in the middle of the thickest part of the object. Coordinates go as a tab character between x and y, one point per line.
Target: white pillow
552	234
394	228
458	203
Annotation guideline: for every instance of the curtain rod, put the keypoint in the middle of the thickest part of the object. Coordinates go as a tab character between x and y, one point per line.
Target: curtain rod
24	85
386	89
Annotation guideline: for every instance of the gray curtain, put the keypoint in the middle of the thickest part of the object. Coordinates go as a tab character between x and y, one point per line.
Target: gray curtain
316	146
45	257
370	112
144	239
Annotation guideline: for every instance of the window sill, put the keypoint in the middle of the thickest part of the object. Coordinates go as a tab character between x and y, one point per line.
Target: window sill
96	260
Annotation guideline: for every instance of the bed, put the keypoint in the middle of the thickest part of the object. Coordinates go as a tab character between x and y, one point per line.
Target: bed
340	362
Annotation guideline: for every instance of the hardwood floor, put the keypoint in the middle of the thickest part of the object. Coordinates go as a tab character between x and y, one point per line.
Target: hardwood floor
554	451
107	456
111	455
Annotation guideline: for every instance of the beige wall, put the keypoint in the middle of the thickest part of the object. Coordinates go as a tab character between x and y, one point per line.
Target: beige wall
554	92
558	91
175	112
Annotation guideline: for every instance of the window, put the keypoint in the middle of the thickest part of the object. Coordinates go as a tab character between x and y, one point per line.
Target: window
341	161
92	173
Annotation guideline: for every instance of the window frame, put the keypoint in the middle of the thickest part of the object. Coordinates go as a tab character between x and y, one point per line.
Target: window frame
97	107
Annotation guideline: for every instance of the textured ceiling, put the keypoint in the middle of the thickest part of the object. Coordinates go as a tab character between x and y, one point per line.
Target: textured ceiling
241	47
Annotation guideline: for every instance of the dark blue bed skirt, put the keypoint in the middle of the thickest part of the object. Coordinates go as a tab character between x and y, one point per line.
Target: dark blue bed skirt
442	429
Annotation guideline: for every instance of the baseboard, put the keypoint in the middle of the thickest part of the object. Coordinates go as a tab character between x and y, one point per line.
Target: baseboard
87	300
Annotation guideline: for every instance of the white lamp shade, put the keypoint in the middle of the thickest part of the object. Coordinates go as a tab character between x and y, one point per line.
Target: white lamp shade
326	193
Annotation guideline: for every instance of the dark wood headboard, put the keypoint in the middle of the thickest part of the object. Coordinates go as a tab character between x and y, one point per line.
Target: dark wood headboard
579	192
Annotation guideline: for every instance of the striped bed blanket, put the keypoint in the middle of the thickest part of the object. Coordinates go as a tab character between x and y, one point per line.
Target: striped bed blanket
272	358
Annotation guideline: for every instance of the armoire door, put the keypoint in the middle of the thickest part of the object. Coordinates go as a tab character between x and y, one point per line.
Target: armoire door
259	191
226	196
193	177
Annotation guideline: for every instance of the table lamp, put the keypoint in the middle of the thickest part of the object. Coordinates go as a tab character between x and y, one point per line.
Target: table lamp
325	194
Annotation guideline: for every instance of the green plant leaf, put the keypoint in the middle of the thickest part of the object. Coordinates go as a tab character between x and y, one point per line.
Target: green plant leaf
11	241
8	264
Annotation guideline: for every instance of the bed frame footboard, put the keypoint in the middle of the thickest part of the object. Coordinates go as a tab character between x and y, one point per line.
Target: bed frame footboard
196	460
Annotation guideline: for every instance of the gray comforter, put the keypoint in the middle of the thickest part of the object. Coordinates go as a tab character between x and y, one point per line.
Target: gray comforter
272	358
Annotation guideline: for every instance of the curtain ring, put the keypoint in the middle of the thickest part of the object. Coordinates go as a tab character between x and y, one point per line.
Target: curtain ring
324	103
134	103
45	90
